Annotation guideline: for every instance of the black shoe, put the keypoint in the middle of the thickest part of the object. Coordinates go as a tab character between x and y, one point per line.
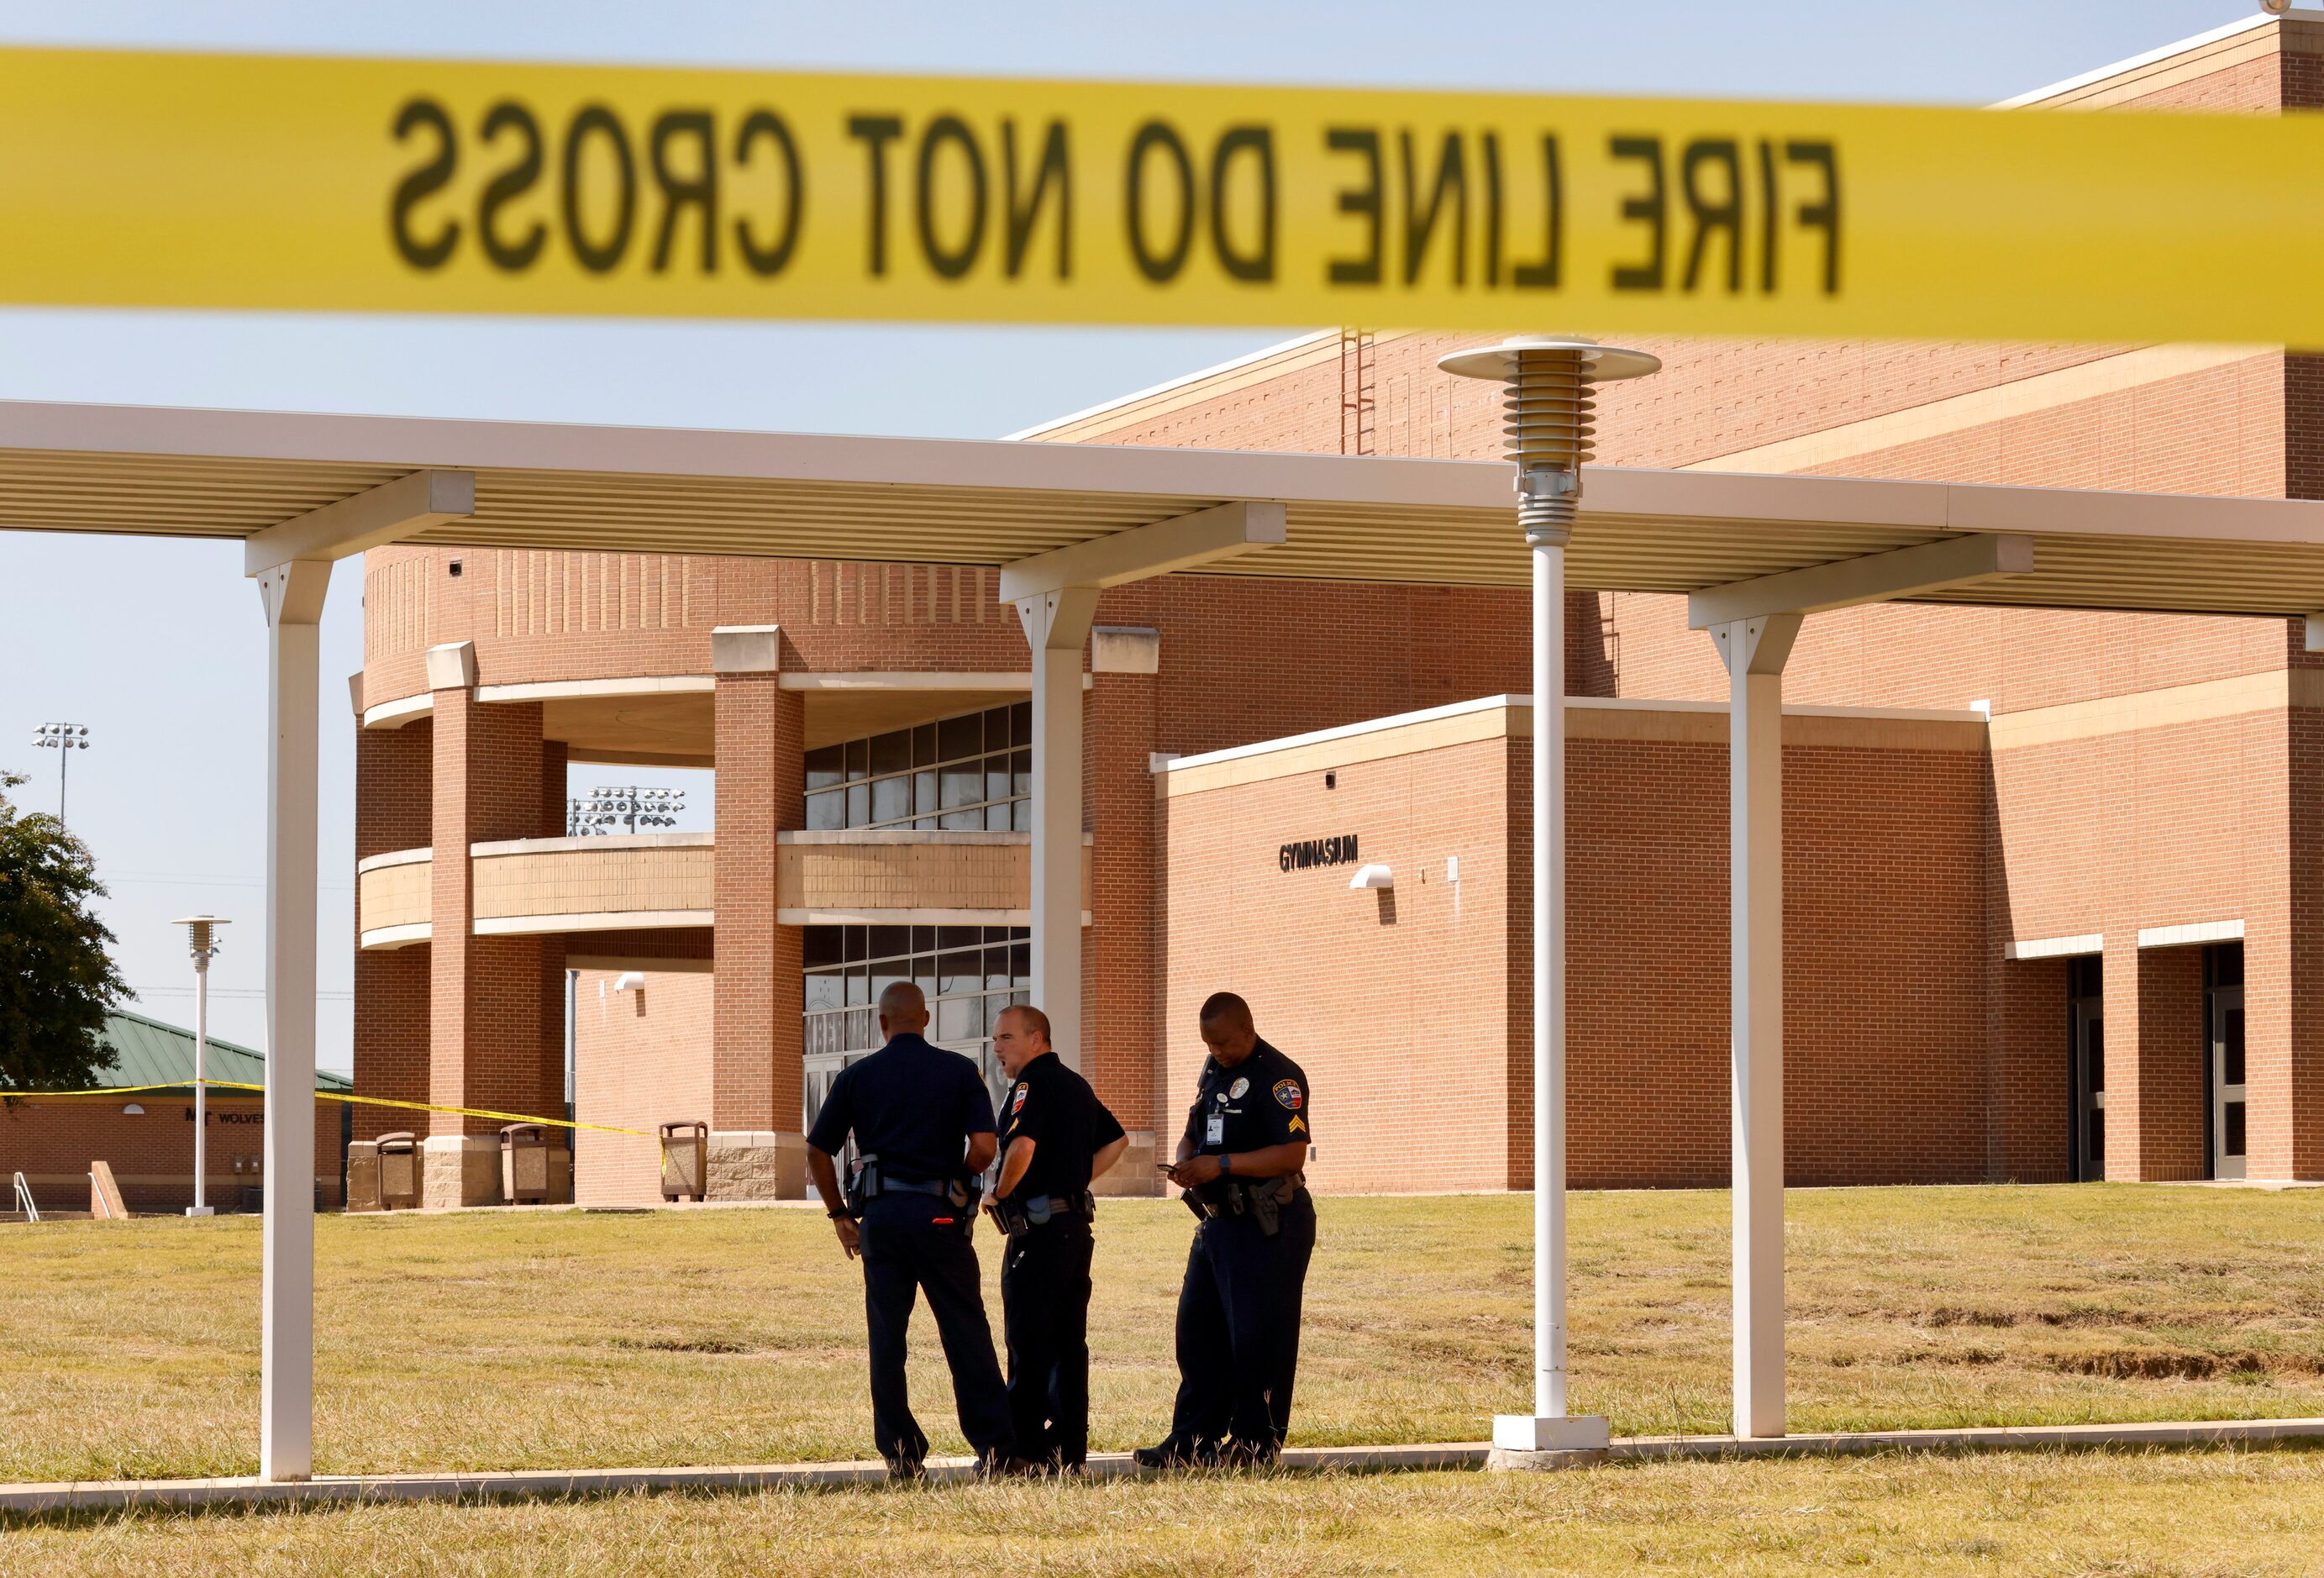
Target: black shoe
906	1470
1174	1451
1001	1465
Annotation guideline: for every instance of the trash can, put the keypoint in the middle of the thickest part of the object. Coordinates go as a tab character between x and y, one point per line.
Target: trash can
399	1171
685	1160
525	1163
362	1176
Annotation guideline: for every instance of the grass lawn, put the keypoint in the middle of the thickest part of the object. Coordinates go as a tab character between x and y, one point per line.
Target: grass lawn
541	1338
2208	1513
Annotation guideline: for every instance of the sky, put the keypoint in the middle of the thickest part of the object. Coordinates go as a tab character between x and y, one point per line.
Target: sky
158	645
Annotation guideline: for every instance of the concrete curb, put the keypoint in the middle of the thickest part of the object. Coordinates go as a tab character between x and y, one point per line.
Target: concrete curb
550	1484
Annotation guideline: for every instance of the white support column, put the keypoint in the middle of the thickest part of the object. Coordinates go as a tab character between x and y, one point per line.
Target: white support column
1057	626
1549	1428
1754	650
293	596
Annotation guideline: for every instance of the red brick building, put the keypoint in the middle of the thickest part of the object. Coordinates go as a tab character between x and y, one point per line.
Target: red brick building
2040	866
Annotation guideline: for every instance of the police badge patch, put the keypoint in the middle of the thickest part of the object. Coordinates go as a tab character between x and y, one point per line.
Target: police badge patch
1016	1102
1288	1092
1237	1089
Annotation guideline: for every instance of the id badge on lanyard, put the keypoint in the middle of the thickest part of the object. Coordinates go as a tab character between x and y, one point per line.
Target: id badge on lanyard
1215	1131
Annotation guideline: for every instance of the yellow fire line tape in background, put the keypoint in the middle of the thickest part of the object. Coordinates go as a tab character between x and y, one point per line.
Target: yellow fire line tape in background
186	181
335	1096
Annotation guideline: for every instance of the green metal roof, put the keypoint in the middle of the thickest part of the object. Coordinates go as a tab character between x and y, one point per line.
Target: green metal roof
149	1052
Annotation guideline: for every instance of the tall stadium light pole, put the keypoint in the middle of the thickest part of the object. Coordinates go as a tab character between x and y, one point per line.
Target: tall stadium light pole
64	739
201	939
1547	395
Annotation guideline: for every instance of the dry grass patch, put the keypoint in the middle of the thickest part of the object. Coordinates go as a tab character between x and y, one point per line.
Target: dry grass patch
539	1340
2182	1515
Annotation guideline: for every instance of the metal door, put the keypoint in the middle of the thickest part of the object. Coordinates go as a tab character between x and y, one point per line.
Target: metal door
2227	1110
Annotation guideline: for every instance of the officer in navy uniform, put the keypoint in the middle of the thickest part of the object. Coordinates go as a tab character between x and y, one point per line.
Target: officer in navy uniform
923	1129
1241	1162
1055	1136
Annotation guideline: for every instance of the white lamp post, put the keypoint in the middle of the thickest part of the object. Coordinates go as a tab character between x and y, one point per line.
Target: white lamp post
201	939
64	739
1546	384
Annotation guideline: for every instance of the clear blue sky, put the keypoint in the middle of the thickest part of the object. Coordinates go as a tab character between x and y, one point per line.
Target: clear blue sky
158	645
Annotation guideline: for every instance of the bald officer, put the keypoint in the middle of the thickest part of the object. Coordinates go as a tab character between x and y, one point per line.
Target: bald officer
923	1129
1055	1136
1241	1161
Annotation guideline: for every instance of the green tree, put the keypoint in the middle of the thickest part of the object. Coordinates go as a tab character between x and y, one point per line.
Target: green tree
57	980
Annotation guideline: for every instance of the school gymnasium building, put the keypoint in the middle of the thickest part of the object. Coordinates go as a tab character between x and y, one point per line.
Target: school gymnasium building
2043	867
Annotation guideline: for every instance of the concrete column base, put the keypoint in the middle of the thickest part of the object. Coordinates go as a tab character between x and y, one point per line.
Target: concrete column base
746	1164
1508	1460
1134	1174
459	1169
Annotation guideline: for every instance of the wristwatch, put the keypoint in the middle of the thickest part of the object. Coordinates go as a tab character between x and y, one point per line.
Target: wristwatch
835	1215
1226	1163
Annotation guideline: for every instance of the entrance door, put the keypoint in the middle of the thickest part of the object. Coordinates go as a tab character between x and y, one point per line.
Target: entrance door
2228	1110
2088	1162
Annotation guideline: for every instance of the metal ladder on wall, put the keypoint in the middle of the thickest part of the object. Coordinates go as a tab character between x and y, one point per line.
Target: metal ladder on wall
1359	406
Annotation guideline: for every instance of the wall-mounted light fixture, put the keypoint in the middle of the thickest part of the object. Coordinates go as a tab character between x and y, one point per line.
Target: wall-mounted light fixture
1373	876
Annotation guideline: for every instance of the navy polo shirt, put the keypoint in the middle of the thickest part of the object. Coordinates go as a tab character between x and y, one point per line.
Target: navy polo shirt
1055	1108
911	1104
1260	1101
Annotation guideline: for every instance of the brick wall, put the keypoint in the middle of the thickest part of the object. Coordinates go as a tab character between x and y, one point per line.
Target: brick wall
641	1059
151	1154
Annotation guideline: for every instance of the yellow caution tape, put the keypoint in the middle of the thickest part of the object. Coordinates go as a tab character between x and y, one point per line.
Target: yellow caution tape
154	180
122	1090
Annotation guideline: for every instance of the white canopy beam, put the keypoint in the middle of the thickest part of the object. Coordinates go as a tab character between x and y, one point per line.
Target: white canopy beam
1179	543
373	517
1873	577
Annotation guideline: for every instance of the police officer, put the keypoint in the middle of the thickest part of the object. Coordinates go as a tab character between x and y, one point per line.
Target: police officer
923	1129
1055	1136
1241	1162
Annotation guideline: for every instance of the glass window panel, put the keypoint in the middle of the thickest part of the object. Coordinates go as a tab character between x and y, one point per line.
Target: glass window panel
891	972
825	989
892	799
959	737
926	825
859	986
889	941
957	937
962	821
996	969
819	945
924	793
924	745
862	1029
960	972
2232	1120
1016	933
2098	1055
826	1034
892	751
826	765
2231	1061
859	758
1020	815
996	778
996	818
857	938
996	729
959	1019
1021	964
858	805
924	939
962	786
2098	1135
1020	772
827	812
1020	723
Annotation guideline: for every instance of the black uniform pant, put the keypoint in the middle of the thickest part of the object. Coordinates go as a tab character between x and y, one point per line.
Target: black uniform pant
1238	1327
1045	1294
907	1252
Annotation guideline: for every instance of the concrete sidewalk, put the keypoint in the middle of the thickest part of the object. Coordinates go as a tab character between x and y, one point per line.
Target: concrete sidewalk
531	1484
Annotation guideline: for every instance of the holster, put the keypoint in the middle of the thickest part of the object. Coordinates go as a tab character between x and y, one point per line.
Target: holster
864	1186
1261	1199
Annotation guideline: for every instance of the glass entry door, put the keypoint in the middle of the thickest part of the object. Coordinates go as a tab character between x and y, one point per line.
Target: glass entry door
2228	1109
2088	1008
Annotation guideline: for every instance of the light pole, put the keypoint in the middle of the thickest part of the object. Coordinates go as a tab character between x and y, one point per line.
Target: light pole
201	940
631	806
64	739
1546	390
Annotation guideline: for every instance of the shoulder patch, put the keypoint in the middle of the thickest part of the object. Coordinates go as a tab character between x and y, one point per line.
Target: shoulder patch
1288	1092
1016	1101
1297	1126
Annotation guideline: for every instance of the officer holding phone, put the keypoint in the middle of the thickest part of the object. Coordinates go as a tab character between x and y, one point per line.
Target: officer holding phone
1241	1162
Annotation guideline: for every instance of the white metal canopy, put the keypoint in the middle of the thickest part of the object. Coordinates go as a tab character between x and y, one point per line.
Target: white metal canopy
183	473
1755	554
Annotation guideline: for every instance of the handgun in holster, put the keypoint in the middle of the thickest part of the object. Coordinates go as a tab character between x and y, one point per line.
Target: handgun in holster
863	1184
